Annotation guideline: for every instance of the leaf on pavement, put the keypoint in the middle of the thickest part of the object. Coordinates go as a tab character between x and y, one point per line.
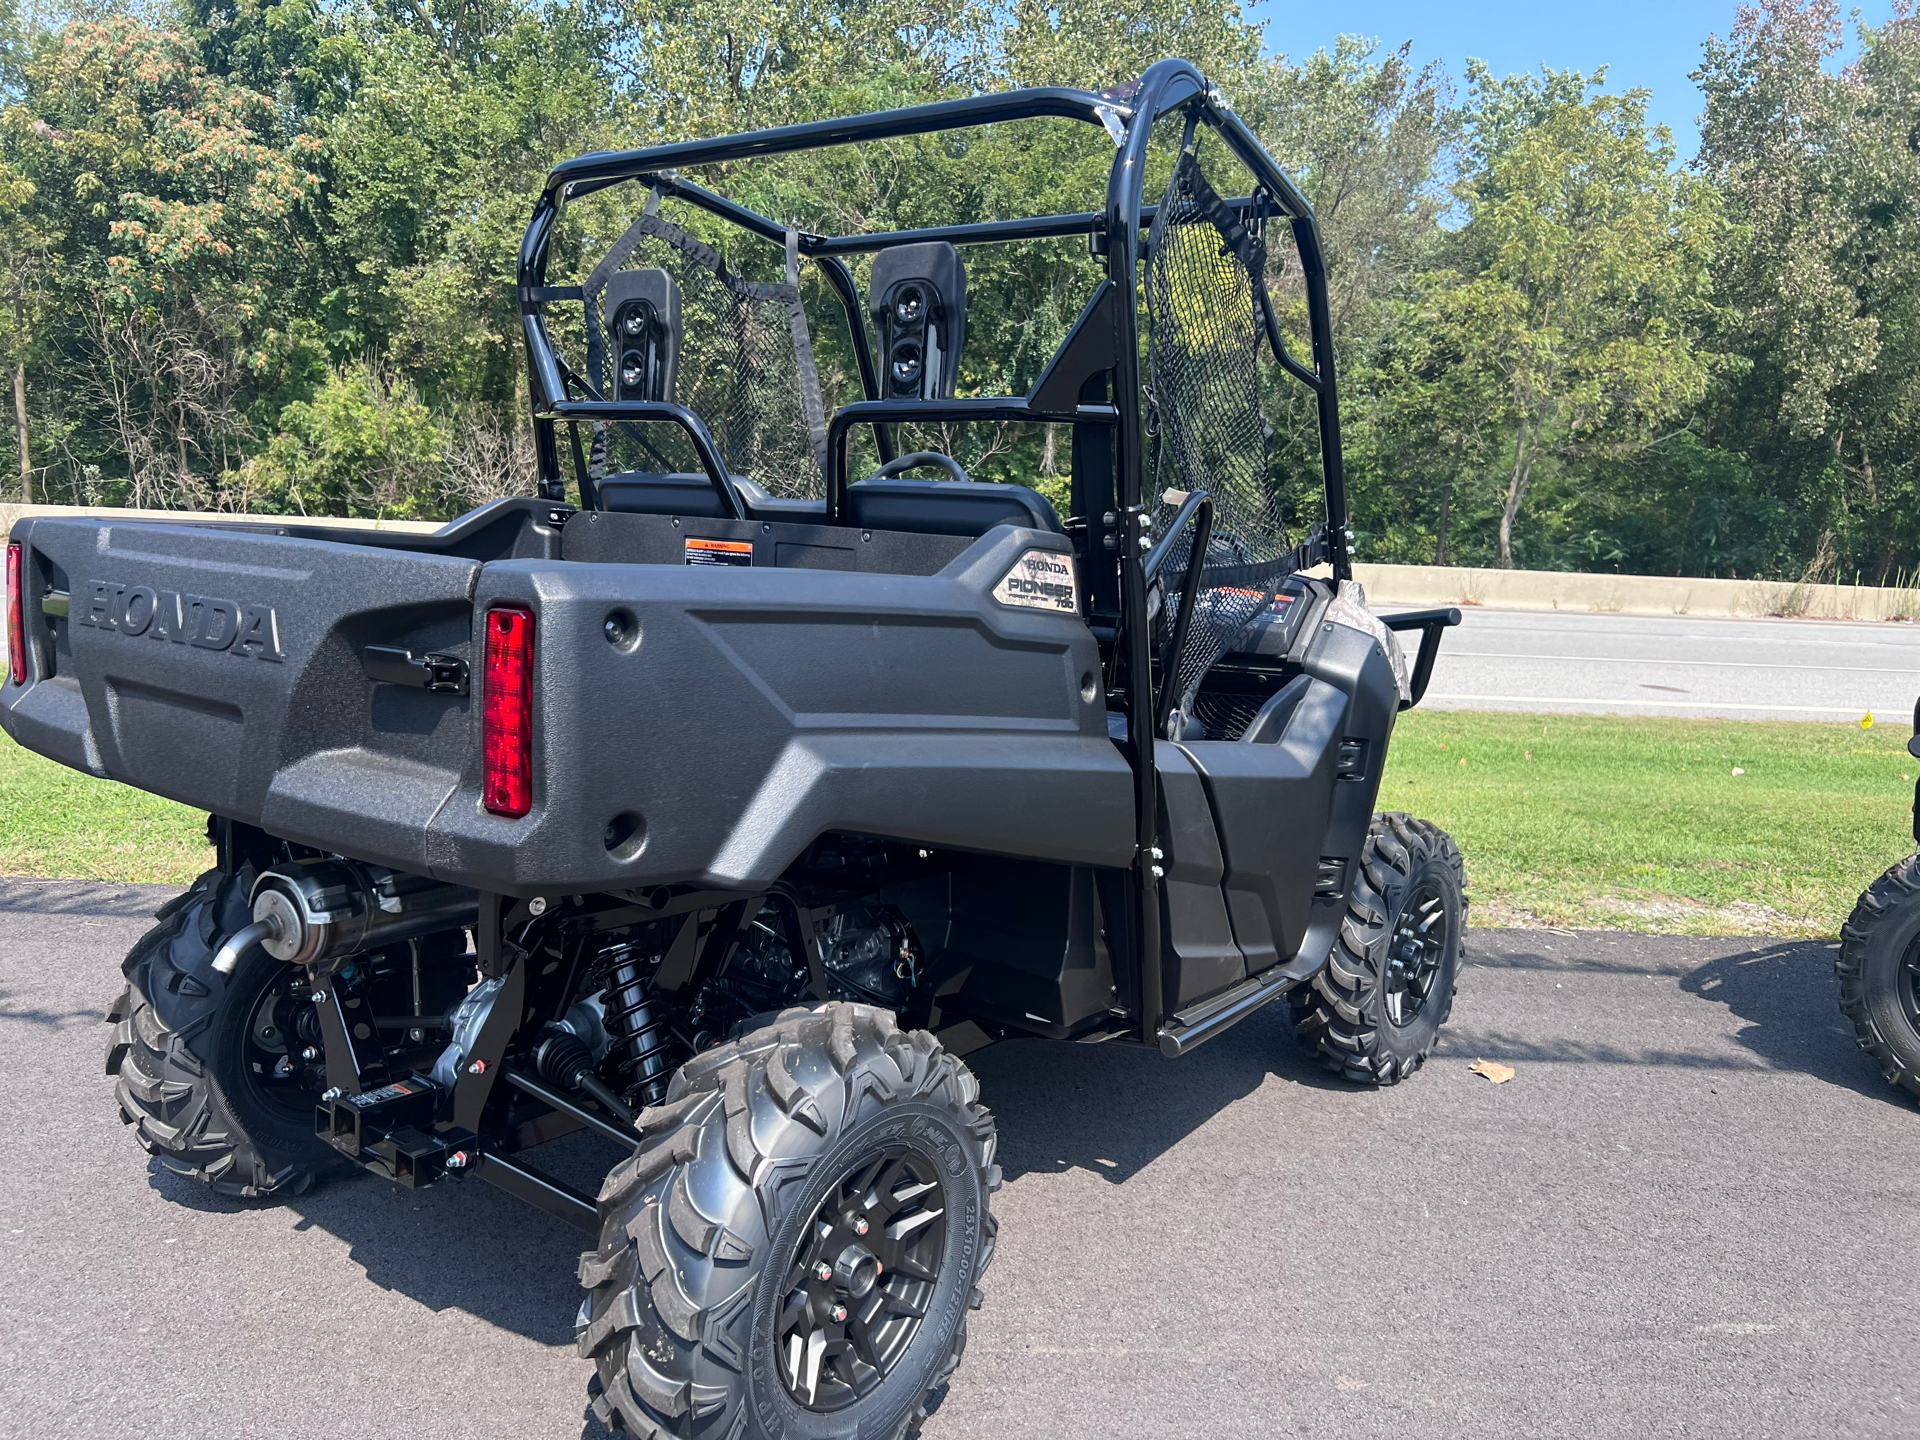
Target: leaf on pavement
1496	1072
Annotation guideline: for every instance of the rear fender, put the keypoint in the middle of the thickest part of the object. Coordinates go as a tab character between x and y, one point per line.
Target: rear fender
761	707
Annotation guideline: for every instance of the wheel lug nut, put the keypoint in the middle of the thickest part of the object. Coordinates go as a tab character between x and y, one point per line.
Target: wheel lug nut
839	1313
823	1271
860	1226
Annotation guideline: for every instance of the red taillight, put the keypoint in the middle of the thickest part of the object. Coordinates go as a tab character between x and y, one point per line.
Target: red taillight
16	617
506	733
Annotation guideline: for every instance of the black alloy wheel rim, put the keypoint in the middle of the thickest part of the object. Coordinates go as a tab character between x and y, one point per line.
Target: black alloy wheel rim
860	1280
271	1062
1908	986
1416	953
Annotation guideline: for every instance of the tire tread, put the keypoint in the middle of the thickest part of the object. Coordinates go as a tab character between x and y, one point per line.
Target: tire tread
1877	907
638	1304
1333	1013
162	1084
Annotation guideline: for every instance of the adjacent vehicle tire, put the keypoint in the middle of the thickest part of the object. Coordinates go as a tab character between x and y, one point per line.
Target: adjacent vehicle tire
1375	1008
208	1066
1879	970
794	1249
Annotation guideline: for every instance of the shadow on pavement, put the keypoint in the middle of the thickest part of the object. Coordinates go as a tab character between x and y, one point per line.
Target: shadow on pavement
1787	993
1784	989
1107	1109
1512	1049
1112	1109
1498	950
461	1245
43	1017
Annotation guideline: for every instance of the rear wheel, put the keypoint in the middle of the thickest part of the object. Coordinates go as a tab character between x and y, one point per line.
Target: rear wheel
795	1248
1879	971
210	1069
1374	1010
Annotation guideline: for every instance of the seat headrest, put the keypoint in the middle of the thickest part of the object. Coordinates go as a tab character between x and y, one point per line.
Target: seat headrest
649	492
947	507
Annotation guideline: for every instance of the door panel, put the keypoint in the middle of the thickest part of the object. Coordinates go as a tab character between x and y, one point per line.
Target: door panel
1271	802
1199	956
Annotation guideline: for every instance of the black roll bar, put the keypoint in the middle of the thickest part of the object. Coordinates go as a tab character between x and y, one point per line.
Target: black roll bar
1129	115
1056	101
844	285
984	232
1166	84
879	413
615	411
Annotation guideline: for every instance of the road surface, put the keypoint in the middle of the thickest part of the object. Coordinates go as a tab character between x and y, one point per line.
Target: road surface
1571	661
1692	1211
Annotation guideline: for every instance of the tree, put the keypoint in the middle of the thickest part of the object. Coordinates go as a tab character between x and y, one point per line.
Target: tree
1820	173
1581	283
28	236
160	203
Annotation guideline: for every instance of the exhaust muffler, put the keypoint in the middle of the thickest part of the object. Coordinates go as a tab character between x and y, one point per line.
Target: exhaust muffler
308	910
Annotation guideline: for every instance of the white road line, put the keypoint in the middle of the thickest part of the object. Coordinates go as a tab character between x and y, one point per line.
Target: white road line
1654	660
1670	704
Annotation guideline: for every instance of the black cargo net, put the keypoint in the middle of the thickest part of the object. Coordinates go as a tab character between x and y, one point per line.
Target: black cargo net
746	367
1207	327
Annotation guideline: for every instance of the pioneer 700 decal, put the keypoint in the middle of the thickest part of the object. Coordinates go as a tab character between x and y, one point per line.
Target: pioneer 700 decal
1040	580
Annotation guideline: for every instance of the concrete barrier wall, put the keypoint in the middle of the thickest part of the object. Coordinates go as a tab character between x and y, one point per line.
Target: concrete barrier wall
1407	585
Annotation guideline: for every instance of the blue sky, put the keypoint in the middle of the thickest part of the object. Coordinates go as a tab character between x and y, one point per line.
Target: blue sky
1654	43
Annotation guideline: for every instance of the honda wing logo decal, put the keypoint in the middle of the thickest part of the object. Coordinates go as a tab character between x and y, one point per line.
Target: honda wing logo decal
198	620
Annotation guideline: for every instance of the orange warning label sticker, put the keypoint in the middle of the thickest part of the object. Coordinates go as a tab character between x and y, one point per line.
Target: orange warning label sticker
719	552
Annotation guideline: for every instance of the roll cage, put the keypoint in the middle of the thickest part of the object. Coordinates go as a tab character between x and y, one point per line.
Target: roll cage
1093	383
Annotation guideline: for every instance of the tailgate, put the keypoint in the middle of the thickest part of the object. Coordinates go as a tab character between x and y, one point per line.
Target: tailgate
224	669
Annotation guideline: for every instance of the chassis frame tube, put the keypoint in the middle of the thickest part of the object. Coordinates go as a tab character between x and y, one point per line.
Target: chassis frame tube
548	1095
538	1189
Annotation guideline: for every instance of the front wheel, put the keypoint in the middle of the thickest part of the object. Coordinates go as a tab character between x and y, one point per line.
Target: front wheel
794	1249
1374	1010
1879	971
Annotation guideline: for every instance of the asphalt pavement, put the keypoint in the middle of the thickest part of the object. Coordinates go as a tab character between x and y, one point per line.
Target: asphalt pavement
1597	663
1692	1211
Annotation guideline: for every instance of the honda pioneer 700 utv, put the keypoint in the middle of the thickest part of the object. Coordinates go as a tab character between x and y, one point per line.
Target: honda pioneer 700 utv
720	813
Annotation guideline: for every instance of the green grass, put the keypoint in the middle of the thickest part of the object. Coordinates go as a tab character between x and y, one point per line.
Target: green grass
1641	823
1565	820
59	822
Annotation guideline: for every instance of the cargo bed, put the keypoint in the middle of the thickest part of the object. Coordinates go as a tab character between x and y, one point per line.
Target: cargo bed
322	685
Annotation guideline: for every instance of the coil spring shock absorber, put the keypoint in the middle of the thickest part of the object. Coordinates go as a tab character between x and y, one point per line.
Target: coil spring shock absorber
635	1029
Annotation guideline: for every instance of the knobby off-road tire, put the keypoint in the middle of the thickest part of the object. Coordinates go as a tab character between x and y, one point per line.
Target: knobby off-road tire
1879	978
712	1235
185	1039
1375	1008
